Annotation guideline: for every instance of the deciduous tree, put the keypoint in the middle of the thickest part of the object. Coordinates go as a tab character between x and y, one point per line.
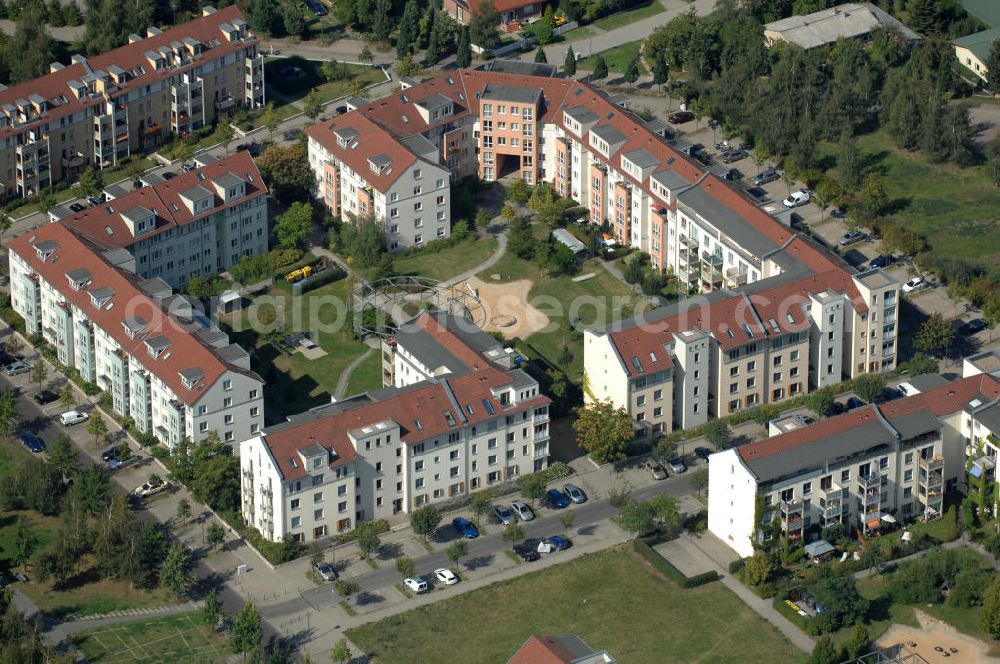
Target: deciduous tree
215	535
212	610
8	412
91	181
935	335
699	480
294	226
532	487
178	574
62	456
97	428
869	387
244	636
718	433
424	520
481	504
312	105
603	430
286	173
458	550
39	372
25	542
922	364
821	401
341	652
405	567
368	541
759	568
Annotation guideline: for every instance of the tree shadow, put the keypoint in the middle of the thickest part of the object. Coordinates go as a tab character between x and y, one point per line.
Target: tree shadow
390	550
586	531
366	598
873	162
897	205
478	562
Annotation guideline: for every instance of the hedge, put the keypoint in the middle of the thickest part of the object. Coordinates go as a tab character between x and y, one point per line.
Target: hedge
668	570
379	525
737	565
332	274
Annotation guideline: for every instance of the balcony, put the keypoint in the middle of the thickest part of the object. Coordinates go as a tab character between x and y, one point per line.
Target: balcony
934	463
866	482
735	277
714	260
75	161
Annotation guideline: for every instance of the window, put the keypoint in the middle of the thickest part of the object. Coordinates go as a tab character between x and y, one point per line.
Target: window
751	366
317	514
296	521
295	504
908	475
227	384
845	476
807	488
318	497
734	371
417	174
418	466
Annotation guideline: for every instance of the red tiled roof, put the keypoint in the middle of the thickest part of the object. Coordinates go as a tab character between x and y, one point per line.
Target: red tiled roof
822	429
185	350
164	199
202	29
372	140
542	650
499	5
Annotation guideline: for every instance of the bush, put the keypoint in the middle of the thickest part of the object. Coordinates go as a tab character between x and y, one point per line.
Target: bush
331	275
737	565
556	470
378	526
697	523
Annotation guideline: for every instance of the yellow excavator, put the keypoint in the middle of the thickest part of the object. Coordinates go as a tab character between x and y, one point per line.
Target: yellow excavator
299	275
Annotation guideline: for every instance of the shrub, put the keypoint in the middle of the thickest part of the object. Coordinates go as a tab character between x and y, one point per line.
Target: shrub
697	523
737	565
378	526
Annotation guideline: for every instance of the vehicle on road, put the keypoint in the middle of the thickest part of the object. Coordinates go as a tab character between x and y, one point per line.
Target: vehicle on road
325	571
575	493
71	417
850	238
44	397
32	442
677	465
187	168
702	453
914	284
522	511
77	207
880	262
558	542
854	402
446	576
766	175
503	515
556	499
416	585
655	469
729	156
973	326
526	552
465	528
797	198
680	117
16	368
150	488
118	464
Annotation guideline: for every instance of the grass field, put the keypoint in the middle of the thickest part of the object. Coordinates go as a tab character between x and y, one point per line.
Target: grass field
651	8
296	382
294	77
955	208
367	375
616	58
613	600
447	263
178	639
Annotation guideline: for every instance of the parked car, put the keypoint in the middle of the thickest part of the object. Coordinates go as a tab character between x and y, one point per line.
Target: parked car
850	238
292	134
16	368
558	542
77	207
854	402
797	198
503	515
168	175
880	262
118	464
446	576
32	442
556	499
465	528
914	284
973	326
325	571
44	397
655	469
702	453
416	585
766	175
6	359
729	156
526	553
680	117
150	488
522	511
316	7
95	200
187	168
677	465
71	417
110	453
575	493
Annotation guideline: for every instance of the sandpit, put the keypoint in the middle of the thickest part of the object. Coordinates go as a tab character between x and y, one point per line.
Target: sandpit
934	633
507	308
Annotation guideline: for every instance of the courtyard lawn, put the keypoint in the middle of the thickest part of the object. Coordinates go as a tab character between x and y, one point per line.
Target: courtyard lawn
367	375
296	382
613	600
179	638
447	263
617	58
293	78
955	208
651	8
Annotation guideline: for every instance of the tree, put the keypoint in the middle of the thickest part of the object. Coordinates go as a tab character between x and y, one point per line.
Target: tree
922	15
699	480
993	67
286	173
215	535
178	574
407	66
382	24
824	652
838	595
62	456
183	510
8	412
341	652
481	503
759	568
635	517
458	550
183	151
718	433
212	611
91	181
540	56
244	636
664	450
312	105
666	509
97	428
989	615
225	134
513	532
366	56
873	196
922	364
860	640
424	520
442	41
33	47
603	430
92	488
849	162
632	71
345	588
569	64
869	387
409	26
25	542
600	71
405	566
532	487
39	372
463	57
294	226
60	561
293	17
483	27
935	335
271	119
821	401
368	541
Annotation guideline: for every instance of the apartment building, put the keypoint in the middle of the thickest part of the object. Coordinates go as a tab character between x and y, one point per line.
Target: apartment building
196	224
97	111
164	364
860	469
379	453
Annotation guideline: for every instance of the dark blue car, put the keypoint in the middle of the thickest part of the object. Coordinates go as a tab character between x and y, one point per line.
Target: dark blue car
558	542
702	453
854	402
32	442
556	499
882	262
465	528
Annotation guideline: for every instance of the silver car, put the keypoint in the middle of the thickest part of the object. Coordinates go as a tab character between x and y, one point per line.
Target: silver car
522	511
503	515
17	368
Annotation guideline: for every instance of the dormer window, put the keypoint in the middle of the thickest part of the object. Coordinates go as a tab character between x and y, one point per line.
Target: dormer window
134	326
101	296
191	376
156	345
46	249
78	279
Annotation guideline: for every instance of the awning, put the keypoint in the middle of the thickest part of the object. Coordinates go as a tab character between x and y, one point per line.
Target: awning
874	523
888	518
819	548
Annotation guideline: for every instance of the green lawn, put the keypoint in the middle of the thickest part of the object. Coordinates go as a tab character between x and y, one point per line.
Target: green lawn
177	639
612	600
631	16
295	382
294	77
367	375
955	208
617	58
447	263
